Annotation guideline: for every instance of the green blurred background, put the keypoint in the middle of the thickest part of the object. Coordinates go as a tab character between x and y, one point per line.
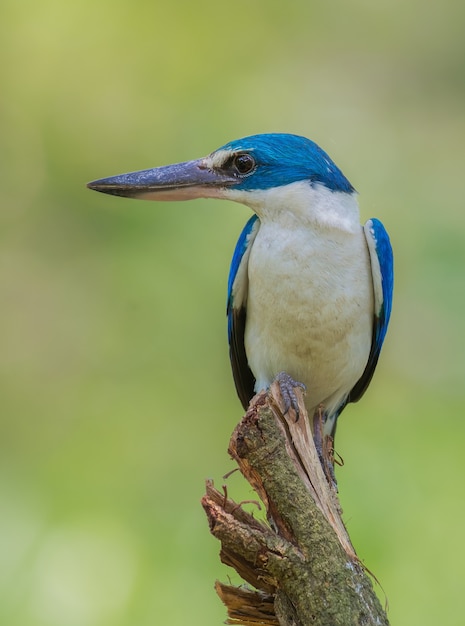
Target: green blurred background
116	395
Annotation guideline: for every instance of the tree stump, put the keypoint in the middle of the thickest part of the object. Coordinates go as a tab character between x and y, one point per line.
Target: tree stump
301	567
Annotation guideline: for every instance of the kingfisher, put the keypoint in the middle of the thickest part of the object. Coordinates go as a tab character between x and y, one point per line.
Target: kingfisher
310	288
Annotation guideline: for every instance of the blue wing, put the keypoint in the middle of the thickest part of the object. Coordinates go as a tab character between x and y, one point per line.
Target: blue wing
382	269
238	284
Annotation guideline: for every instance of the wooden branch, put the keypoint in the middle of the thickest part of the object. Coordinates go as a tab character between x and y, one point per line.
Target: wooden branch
302	565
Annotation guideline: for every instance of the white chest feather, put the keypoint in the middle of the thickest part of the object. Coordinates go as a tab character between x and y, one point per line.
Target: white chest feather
309	306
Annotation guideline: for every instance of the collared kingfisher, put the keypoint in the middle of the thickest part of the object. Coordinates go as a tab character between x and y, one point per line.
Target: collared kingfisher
309	289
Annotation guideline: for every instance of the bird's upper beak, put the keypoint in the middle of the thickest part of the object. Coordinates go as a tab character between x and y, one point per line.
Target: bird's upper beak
181	181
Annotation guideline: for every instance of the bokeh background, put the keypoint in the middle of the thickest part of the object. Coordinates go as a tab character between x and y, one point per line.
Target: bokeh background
116	396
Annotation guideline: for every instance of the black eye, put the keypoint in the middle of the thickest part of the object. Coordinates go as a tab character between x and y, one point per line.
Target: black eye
243	163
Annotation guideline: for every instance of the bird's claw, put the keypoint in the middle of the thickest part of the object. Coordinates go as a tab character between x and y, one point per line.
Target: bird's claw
324	447
287	385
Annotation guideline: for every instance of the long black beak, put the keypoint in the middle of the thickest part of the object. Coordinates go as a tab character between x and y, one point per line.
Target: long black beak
181	181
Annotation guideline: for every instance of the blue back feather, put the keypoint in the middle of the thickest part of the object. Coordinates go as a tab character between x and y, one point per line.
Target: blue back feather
239	251
385	259
386	262
237	315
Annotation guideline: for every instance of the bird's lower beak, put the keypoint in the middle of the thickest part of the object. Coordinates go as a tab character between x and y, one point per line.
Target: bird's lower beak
181	181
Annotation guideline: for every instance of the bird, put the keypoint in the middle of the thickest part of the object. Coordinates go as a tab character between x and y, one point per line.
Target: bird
310	288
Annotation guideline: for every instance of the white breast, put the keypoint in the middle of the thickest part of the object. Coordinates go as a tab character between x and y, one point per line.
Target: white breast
310	304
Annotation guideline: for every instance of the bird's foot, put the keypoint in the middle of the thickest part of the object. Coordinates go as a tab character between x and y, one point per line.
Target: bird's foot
324	445
287	385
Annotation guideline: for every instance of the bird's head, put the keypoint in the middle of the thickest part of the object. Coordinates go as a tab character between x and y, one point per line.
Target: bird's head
240	170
